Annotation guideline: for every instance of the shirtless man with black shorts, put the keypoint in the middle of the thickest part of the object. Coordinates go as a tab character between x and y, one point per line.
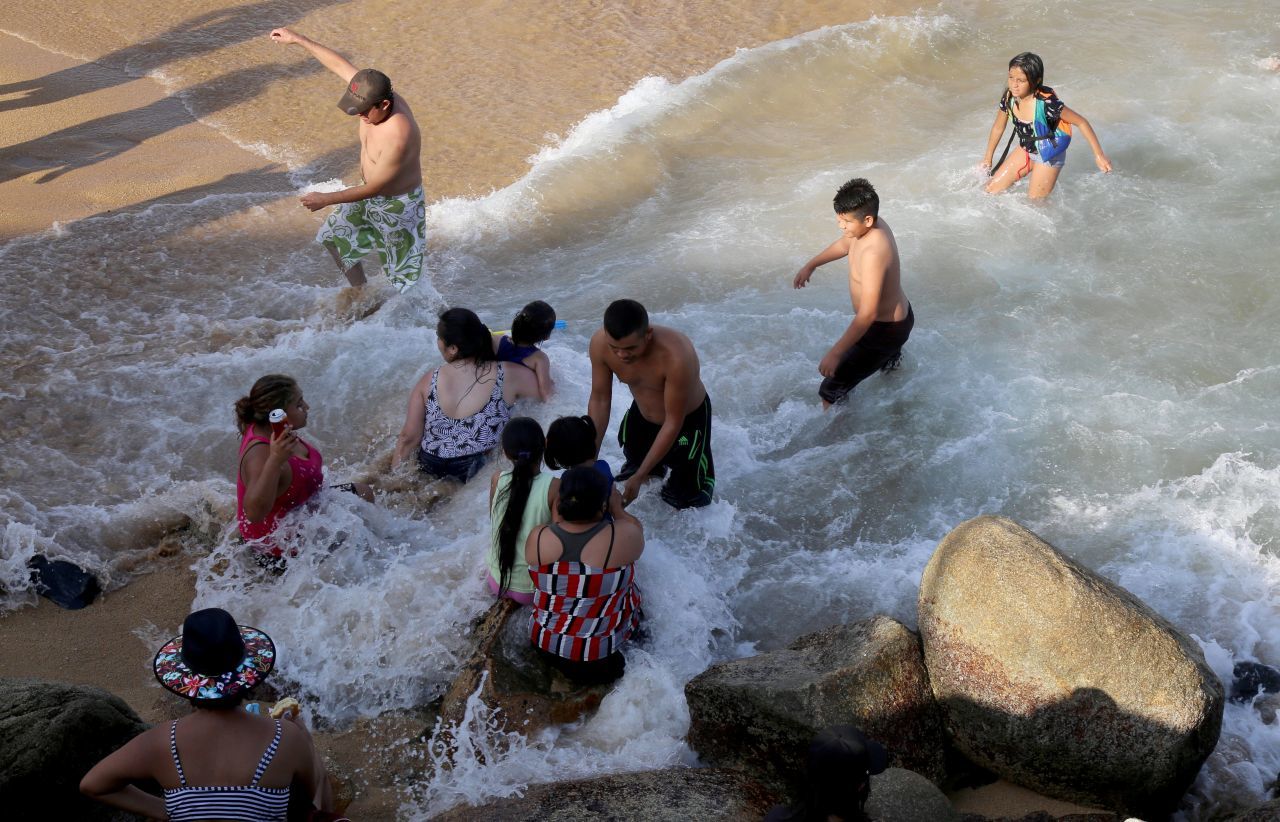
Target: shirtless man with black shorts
883	318
669	422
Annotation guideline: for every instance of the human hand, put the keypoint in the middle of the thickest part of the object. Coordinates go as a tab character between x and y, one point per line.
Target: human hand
827	367
283	35
1103	163
985	165
631	489
802	277
314	200
282	444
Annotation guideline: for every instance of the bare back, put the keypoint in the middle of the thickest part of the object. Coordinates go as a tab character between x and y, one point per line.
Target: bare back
400	129
869	254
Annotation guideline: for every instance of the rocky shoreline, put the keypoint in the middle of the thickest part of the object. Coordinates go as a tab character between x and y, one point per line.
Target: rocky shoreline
1027	667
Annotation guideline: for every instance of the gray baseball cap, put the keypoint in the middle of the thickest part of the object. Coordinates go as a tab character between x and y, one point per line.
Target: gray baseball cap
367	88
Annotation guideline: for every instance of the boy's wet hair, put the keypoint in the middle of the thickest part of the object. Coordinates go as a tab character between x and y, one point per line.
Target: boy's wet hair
533	324
625	317
461	327
583	494
570	441
1032	66
858	198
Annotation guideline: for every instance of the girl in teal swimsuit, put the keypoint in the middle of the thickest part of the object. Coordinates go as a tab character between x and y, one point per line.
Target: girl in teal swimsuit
1043	127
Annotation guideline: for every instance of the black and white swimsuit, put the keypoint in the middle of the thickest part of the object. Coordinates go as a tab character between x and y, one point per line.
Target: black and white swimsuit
445	437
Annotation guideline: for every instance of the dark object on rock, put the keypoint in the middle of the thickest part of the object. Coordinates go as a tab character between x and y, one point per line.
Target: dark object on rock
51	734
68	585
530	693
760	713
1043	816
903	796
1248	678
673	793
1059	680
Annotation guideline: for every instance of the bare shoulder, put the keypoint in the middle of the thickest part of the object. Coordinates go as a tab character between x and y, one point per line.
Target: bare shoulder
675	345
598	346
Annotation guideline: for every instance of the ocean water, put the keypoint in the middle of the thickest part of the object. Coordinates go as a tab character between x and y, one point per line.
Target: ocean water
1099	367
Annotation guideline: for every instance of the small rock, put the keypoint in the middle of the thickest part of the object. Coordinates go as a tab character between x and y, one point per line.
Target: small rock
898	795
1251	678
66	584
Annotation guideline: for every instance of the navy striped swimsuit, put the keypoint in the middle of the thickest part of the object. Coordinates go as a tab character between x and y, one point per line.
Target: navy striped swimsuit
243	803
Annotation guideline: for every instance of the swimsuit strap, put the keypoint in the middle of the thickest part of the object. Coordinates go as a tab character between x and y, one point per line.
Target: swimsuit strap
612	533
267	756
537	544
173	749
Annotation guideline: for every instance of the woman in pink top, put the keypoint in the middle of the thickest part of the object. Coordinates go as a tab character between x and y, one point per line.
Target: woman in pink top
276	473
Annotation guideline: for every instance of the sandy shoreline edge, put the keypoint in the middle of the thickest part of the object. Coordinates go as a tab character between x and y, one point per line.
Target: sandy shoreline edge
172	156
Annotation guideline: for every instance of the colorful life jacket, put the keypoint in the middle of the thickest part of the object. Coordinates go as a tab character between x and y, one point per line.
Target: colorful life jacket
1046	134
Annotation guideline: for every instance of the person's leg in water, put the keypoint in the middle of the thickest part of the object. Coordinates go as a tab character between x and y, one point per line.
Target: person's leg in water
1017	166
880	349
693	472
636	436
1044	176
354	274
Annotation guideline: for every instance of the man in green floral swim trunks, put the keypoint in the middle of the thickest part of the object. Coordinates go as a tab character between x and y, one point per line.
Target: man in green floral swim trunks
387	212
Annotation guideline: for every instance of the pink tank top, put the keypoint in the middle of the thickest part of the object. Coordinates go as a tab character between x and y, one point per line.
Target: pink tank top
308	476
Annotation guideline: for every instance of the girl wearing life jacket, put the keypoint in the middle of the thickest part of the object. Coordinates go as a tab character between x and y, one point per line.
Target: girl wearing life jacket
1043	127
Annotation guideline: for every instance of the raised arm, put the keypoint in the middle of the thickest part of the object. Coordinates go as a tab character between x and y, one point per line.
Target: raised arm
601	400
993	139
415	421
261	469
838	249
874	263
675	396
1074	118
328	58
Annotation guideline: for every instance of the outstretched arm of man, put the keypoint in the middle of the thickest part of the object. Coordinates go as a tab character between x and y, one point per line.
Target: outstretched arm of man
675	395
873	263
838	249
328	58
601	400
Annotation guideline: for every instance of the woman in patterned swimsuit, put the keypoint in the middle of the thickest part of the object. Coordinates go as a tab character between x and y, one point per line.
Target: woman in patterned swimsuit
457	411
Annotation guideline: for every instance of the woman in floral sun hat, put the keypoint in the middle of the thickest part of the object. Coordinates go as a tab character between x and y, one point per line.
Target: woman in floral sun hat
220	761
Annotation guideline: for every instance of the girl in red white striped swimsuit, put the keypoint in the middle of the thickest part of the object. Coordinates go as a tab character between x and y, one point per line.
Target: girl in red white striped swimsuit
586	603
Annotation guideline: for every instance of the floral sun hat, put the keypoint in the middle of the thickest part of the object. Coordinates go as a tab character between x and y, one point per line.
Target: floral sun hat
214	658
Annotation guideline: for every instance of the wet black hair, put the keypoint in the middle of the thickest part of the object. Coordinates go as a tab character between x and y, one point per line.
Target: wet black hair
1032	66
858	198
533	324
584	493
522	442
625	317
570	441
462	328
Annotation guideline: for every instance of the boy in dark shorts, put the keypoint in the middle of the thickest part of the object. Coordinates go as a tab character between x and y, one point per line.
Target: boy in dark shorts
883	318
669	422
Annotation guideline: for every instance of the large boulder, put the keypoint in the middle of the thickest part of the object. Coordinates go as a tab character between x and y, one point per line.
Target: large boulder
51	734
1266	812
1059	680
671	794
514	679
760	713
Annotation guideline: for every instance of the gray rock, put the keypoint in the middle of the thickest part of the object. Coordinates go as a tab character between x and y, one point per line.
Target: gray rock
759	714
672	794
1266	812
1059	680
51	734
516	681
898	795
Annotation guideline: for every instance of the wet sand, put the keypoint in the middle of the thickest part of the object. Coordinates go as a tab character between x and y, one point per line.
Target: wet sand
85	139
